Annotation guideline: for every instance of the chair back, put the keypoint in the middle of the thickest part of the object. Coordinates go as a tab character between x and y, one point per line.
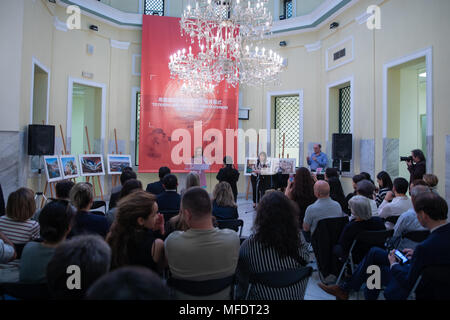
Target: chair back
374	238
99	213
417	236
201	288
233	224
25	291
433	283
99	204
168	214
392	219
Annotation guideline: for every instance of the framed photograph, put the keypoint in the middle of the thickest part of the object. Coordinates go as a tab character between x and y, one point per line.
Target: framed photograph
91	165
116	163
69	166
52	168
250	164
284	166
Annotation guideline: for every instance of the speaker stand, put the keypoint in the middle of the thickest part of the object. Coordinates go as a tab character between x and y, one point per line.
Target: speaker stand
40	194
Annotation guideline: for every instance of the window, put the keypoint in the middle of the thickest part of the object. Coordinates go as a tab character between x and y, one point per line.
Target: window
154	7
344	110
287	10
138	121
287	120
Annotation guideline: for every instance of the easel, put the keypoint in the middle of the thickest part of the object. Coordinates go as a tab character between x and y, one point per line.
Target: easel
115	178
98	177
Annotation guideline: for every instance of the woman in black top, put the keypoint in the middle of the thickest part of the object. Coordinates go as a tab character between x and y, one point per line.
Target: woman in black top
259	188
301	190
134	237
224	207
229	174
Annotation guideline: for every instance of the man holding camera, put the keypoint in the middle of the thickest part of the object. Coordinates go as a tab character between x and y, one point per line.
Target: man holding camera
417	165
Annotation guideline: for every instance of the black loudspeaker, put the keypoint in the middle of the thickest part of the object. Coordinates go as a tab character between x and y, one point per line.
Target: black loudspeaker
342	146
41	140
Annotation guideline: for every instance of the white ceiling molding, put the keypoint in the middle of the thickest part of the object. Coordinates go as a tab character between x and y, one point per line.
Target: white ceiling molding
59	25
363	18
120	44
313	46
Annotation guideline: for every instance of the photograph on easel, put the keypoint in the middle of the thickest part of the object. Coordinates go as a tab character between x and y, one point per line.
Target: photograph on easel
52	168
117	162
283	166
91	165
69	166
250	165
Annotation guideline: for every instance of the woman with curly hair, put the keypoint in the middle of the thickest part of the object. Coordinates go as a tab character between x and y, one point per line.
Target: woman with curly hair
133	238
301	190
275	245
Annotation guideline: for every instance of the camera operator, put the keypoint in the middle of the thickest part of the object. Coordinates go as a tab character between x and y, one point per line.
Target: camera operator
416	165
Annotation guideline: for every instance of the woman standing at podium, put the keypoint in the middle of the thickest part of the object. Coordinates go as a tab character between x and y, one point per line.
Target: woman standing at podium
260	182
198	159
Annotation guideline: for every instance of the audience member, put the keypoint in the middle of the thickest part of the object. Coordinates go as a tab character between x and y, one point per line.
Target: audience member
274	245
331	173
7	251
2	202
62	189
127	174
399	279
129	283
432	181
157	187
169	199
418	166
229	174
128	187
301	190
92	257
82	197
396	201
202	252
192	180
224	207
323	208
366	189
355	179
367	176
17	225
384	186
133	237
336	192
55	221
408	222
362	221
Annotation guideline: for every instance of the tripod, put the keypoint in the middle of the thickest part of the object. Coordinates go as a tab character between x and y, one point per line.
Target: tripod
40	194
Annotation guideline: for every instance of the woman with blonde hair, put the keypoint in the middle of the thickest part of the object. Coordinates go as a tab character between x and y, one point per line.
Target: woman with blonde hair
432	181
224	207
192	180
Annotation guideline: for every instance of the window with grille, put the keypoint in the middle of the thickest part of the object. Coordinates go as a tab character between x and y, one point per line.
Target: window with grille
138	125
287	122
345	110
154	7
288	8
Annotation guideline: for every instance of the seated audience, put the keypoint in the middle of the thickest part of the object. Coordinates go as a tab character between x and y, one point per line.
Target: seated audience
128	187
127	174
169	199
157	187
55	221
408	222
331	173
398	279
229	174
129	283
192	180
90	253
301	191
323	208
368	177
384	186
133	237
2	202
366	189
355	179
336	192
7	251
396	201
362	221
224	207
17	225
202	252
62	189
432	181
275	245
82	197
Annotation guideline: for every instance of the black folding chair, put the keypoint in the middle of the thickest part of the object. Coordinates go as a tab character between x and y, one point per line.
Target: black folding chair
233	224
432	284
278	279
202	288
99	213
24	291
168	214
372	238
99	204
417	236
392	219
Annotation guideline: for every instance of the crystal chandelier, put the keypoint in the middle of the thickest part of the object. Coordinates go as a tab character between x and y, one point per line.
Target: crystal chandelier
225	31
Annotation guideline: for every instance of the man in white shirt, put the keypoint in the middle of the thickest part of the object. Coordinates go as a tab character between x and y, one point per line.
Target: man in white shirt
396	202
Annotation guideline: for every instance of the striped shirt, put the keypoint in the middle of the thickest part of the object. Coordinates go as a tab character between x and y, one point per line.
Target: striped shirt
19	232
380	195
254	257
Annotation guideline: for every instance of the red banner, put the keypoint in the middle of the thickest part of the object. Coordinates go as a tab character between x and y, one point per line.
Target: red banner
172	123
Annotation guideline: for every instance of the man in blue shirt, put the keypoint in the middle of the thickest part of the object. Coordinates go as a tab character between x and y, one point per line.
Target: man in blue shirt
318	159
